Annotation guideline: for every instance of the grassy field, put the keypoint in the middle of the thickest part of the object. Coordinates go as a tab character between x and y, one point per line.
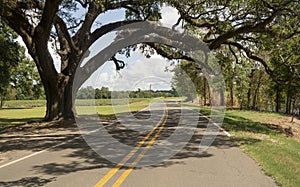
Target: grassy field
22	111
259	135
78	102
104	110
13	116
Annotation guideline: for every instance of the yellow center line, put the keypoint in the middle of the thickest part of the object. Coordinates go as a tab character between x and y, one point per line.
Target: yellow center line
139	157
114	170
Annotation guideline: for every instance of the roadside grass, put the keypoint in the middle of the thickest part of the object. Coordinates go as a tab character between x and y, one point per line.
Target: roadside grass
258	136
22	111
278	155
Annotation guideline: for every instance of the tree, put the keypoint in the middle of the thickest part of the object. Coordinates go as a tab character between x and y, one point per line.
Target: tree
86	93
37	22
218	22
285	62
9	59
25	79
185	80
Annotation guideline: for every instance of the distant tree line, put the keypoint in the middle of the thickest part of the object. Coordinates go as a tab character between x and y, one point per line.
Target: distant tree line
90	92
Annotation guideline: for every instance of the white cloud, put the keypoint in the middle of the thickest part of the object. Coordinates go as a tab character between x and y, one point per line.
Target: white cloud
169	16
143	72
140	72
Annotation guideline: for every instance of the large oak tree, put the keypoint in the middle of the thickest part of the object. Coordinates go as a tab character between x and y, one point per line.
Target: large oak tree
240	24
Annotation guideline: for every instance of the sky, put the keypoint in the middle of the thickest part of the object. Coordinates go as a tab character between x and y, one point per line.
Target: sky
139	72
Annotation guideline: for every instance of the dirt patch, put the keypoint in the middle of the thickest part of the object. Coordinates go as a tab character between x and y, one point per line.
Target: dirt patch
284	125
293	127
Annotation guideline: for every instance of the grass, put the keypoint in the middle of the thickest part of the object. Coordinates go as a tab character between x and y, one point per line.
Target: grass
13	116
24	103
20	112
278	155
78	102
258	136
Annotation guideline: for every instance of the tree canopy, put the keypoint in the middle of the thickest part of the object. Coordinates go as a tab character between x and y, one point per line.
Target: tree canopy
247	28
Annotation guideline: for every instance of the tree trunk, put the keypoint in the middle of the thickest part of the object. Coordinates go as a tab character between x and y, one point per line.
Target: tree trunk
255	96
277	99
204	91
242	104
288	104
231	96
209	95
222	98
249	96
59	102
57	86
250	88
254	101
293	108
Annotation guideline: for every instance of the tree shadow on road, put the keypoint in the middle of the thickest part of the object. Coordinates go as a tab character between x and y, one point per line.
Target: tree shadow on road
79	156
28	182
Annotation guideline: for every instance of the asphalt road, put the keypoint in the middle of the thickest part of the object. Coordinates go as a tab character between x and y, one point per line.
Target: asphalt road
63	158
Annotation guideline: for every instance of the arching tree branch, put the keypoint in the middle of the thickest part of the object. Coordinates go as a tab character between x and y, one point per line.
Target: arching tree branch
251	55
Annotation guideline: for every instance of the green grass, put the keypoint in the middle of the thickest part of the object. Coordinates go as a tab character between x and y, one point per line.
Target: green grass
22	111
78	102
255	133
278	155
108	110
13	116
24	103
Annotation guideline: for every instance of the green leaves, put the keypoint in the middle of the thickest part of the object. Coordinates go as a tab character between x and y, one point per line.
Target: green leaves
9	58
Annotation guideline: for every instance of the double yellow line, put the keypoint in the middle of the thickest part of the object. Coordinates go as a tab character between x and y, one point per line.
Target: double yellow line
160	125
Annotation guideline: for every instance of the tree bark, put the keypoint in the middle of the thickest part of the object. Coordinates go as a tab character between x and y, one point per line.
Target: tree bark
59	101
204	91
288	99
222	98
255	96
231	96
288	104
250	88
249	96
277	99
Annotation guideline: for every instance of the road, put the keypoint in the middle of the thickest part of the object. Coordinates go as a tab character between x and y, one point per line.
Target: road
63	158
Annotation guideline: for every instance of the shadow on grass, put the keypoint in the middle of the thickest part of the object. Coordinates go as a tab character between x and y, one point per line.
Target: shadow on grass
19	120
237	123
8	122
